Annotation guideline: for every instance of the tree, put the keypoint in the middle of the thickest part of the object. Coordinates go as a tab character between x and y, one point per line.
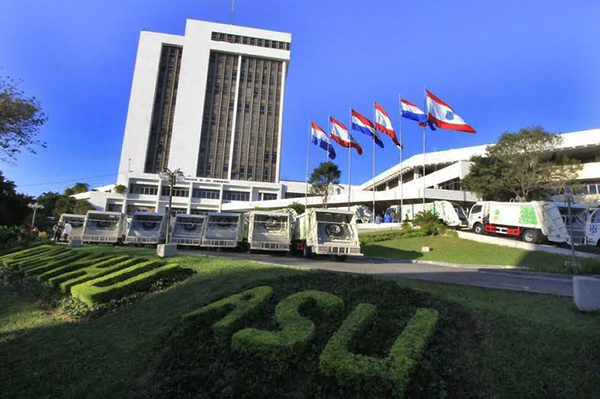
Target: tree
13	205
324	179
522	165
297	207
120	189
21	118
78	188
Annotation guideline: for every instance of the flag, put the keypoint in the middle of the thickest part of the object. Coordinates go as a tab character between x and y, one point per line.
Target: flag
411	111
362	124
319	137
383	123
342	136
442	115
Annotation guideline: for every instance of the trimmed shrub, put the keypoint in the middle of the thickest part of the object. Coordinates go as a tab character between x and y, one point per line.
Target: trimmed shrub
233	310
23	253
54	263
16	261
100	269
42	260
296	330
80	264
123	282
368	373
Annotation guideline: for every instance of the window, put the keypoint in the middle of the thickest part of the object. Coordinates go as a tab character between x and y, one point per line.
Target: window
476	209
592	189
267	196
205	193
177	191
144	189
596	217
236	196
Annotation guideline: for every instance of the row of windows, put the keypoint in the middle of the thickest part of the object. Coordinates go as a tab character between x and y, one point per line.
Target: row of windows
251	41
236	196
145	189
204	193
177	191
590	188
267	196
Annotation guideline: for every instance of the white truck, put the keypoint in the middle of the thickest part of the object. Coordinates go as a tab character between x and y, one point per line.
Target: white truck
450	213
270	231
76	222
188	230
225	230
592	227
326	232
531	221
147	228
103	227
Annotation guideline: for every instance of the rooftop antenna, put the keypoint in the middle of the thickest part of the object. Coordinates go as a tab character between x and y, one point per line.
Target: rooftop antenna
232	11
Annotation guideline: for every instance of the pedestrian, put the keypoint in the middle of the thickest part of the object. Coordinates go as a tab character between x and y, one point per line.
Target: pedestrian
56	232
66	231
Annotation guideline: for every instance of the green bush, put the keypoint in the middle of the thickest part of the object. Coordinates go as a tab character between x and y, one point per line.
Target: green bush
370	374
232	310
390	235
21	248
54	263
26	256
80	264
296	330
100	269
14	235
428	221
43	259
123	282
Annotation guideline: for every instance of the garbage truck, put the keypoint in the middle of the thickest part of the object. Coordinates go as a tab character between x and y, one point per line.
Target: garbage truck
270	231
533	222
188	230
592	227
103	227
147	228
225	230
326	232
450	213
76	222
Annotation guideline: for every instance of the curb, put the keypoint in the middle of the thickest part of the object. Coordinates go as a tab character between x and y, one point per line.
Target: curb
445	264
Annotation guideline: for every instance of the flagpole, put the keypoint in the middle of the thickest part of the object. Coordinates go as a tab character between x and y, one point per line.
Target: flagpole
424	144
401	179
349	160
307	157
373	146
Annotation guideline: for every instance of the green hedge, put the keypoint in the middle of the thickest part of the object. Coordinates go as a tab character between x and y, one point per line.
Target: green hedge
80	264
19	261
233	311
120	283
378	375
390	235
25	252
296	330
100	269
55	263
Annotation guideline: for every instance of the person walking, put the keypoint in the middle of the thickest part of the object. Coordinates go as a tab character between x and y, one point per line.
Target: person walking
66	231
56	232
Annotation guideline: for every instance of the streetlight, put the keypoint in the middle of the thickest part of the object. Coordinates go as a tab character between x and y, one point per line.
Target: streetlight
35	207
569	201
172	177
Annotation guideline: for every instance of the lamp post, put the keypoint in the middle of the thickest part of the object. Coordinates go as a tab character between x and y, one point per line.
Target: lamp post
172	176
35	207
569	200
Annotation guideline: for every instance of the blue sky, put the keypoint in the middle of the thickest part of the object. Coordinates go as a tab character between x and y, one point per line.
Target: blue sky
502	65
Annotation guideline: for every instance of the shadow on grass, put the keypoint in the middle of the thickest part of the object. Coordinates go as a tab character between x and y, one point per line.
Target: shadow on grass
382	251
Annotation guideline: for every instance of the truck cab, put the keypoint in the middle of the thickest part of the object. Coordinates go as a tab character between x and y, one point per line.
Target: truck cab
476	217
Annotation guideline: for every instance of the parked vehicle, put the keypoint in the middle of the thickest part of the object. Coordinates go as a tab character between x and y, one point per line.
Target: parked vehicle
76	222
362	214
592	227
147	228
103	227
450	213
326	232
270	231
225	230
188	230
531	221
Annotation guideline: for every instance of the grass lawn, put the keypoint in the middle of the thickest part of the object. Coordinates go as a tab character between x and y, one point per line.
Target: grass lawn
523	345
456	250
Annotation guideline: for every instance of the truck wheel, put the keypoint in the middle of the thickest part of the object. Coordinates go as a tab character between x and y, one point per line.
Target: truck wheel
531	236
307	252
340	258
478	228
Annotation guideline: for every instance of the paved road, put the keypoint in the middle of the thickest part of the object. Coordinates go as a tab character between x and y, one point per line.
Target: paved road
465	275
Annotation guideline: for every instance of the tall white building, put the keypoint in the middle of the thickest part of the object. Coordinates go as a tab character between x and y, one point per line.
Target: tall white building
210	103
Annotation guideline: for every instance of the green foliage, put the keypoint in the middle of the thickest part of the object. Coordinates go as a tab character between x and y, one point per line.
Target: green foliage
120	189
68	204
233	311
370	374
14	235
123	282
78	188
428	221
21	118
390	235
298	207
522	165
13	205
296	330
324	179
